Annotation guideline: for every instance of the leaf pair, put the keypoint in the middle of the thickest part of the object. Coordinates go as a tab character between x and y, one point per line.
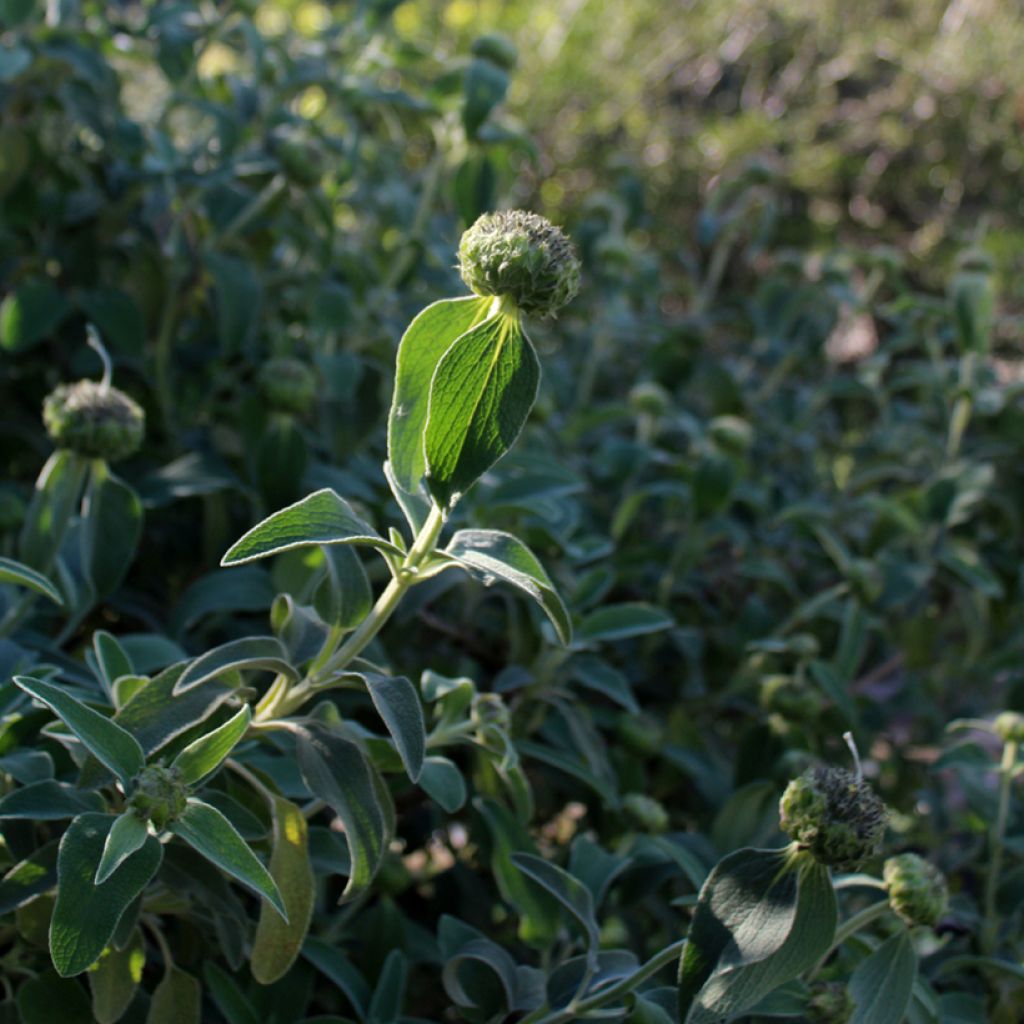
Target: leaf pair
465	382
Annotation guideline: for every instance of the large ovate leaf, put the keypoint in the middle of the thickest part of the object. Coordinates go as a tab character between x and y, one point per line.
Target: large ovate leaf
762	918
115	980
23	576
49	800
493	555
47	999
111	528
480	397
883	983
29	878
442	781
320	518
208	832
260	652
338	772
425	341
58	489
204	755
278	942
86	914
118	749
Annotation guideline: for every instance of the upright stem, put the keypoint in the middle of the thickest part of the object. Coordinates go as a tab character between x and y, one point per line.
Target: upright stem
990	928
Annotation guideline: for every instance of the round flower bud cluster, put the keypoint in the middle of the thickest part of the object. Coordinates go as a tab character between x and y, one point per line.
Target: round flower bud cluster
833	814
650	398
288	385
647	812
489	709
522	258
159	795
94	420
917	890
830	1003
1009	727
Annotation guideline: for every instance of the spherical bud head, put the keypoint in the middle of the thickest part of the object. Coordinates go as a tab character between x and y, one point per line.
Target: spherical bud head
521	258
288	385
159	795
1009	727
94	420
834	815
649	399
496	48
647	812
789	697
917	890
830	1003
640	734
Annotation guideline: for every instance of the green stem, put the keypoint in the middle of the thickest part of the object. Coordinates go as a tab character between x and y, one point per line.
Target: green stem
990	928
253	208
581	1007
962	407
279	702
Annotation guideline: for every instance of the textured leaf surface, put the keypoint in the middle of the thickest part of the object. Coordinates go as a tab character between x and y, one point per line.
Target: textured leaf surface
107	741
208	832
115	980
398	705
278	942
337	771
126	835
49	801
480	396
493	555
86	914
425	341
320	518
882	984
204	755
260	652
176	1000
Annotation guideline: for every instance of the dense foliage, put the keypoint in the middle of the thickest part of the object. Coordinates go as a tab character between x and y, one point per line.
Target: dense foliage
376	646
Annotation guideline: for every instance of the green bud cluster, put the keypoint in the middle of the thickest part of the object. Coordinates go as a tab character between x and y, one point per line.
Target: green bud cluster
650	399
833	814
489	709
647	812
917	890
830	1003
789	697
159	795
522	258
288	385
94	420
1009	727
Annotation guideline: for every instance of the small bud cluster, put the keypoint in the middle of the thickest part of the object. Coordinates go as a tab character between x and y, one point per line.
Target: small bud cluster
489	709
159	795
520	257
647	812
830	1003
94	420
288	385
1009	727
835	815
917	890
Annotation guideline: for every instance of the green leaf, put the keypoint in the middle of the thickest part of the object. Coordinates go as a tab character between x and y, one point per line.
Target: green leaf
86	914
111	658
49	801
398	705
117	749
208	832
56	496
238	299
263	652
126	835
386	1005
344	598
485	87
443	782
595	674
330	961
425	341
29	878
31	313
22	576
621	622
570	892
480	396
177	999
493	555
277	942
111	527
761	920
883	982
115	980
338	772
320	518
228	997
204	755
47	999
